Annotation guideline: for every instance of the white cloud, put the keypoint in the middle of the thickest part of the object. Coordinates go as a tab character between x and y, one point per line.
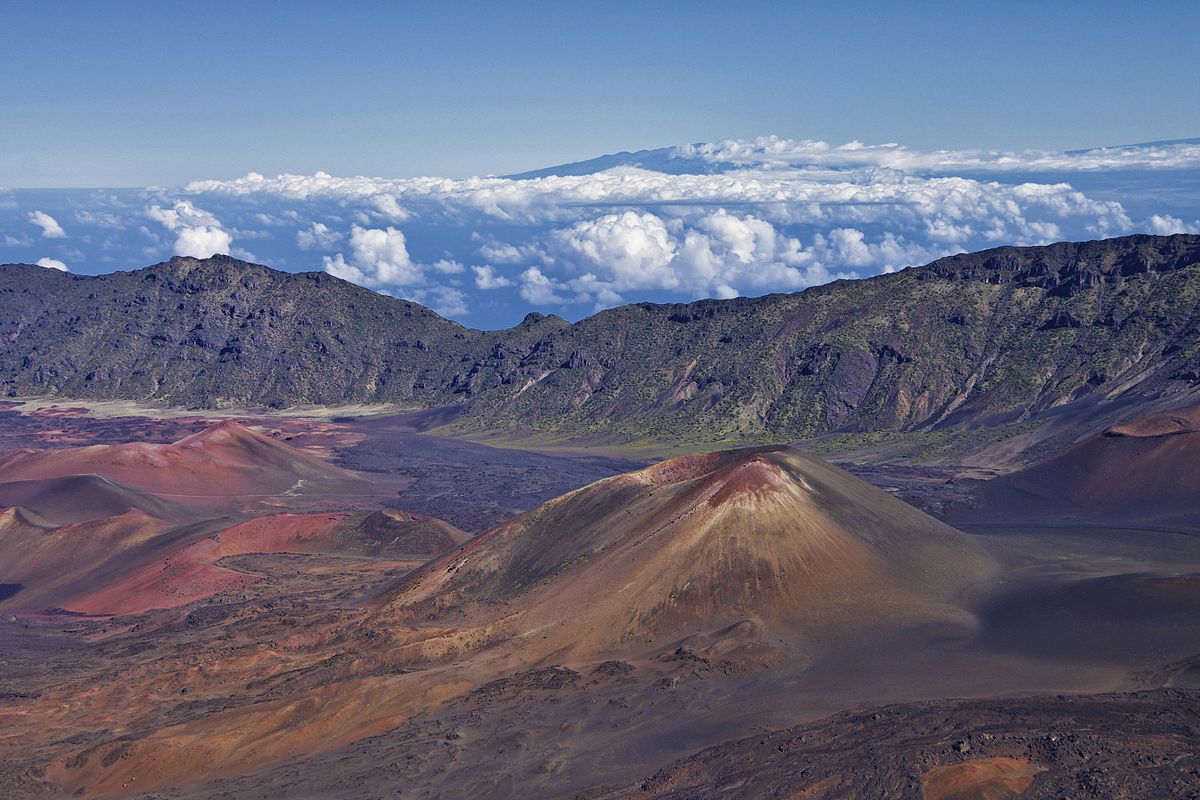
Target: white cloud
954	210
1166	225
635	250
590	288
445	300
380	258
448	266
201	242
728	255
727	218
338	268
318	236
486	278
774	151
540	290
52	263
502	253
20	240
197	232
387	206
103	219
848	247
49	225
719	254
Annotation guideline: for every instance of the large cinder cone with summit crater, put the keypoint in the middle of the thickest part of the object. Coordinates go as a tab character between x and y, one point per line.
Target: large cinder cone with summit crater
695	544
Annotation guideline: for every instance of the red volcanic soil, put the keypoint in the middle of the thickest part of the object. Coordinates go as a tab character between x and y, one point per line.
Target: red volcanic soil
981	779
224	461
1145	471
473	486
1180	420
119	529
634	620
54	563
699	543
191	572
133	563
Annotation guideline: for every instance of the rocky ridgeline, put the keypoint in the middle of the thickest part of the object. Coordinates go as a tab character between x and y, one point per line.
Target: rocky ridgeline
983	339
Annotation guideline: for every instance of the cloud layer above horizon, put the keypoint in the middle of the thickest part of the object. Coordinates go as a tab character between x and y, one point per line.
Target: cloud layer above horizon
738	217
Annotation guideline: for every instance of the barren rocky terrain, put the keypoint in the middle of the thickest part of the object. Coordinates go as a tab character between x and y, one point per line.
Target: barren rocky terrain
622	640
369	602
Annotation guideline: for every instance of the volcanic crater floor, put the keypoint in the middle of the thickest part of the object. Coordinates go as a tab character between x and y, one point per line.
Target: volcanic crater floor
323	654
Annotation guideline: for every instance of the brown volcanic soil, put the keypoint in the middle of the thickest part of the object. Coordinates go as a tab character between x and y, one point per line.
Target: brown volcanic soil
1105	746
979	779
55	566
541	733
198	570
76	539
470	485
80	498
1177	421
695	544
131	562
1146	471
568	651
223	463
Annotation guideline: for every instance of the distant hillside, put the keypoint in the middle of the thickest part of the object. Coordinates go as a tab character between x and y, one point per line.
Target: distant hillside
1009	337
1158	143
667	160
1141	473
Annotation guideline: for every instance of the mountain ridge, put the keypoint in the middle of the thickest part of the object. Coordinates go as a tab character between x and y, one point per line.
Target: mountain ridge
1002	337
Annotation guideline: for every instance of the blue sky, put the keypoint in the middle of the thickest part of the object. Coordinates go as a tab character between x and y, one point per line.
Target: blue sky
788	145
141	93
